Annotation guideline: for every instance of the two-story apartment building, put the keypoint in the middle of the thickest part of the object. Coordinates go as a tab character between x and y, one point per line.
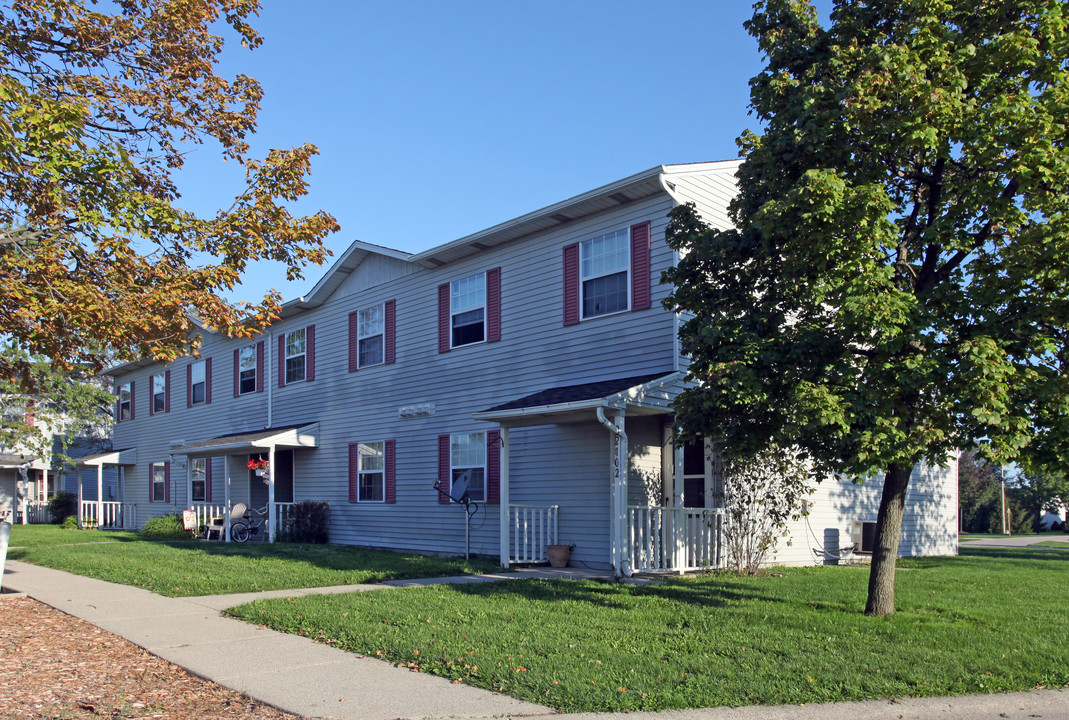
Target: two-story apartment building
531	363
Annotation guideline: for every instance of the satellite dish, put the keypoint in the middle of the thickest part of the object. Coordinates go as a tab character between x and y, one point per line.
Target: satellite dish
460	487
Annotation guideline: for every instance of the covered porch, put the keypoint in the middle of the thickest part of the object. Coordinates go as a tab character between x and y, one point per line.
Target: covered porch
269	488
114	515
661	508
24	488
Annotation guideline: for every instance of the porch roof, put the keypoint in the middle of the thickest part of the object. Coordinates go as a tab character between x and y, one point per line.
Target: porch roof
641	395
125	456
286	436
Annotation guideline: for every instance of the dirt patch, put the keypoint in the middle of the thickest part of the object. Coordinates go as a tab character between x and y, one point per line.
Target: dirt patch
53	665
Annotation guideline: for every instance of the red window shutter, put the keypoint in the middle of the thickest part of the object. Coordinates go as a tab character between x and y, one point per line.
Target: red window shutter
493	305
640	267
132	403
151	395
260	357
354	327
189	385
237	370
354	475
208	381
389	339
282	360
571	284
443	470
493	467
207	479
117	418
167	391
167	482
391	472
443	318
310	353
151	483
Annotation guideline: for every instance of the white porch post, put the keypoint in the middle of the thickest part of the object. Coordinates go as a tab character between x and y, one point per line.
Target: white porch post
24	499
100	495
504	459
189	480
81	495
271	494
620	491
226	500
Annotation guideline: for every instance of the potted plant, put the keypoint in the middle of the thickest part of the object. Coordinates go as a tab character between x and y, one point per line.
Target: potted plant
260	465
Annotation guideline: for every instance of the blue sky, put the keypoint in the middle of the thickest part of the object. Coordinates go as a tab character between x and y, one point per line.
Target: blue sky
436	119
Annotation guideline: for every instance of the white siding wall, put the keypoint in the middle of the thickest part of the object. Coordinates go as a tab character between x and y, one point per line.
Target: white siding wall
929	525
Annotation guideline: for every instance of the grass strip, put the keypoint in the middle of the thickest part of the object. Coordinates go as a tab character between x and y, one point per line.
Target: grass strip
181	569
990	621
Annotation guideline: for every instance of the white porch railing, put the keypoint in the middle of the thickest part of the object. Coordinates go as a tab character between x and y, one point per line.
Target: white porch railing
114	515
37	512
531	529
673	538
283	515
206	512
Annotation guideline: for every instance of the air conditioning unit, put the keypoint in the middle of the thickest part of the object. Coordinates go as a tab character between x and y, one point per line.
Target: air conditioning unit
863	535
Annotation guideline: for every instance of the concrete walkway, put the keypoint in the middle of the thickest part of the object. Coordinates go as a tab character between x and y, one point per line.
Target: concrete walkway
312	680
1016	541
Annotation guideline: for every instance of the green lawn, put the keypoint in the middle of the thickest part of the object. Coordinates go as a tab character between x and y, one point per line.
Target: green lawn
179	569
1052	544
989	621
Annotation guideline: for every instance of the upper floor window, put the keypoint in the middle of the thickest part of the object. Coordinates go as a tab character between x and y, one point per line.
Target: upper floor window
467	461
371	336
467	310
296	350
126	402
198	382
198	472
247	370
159	393
603	273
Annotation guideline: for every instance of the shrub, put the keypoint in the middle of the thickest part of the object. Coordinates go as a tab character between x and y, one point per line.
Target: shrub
309	523
70	522
165	527
61	506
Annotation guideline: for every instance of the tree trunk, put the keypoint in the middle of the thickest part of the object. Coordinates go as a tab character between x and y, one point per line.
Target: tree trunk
888	534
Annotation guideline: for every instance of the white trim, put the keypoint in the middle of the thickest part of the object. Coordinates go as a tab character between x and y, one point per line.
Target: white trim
287	357
255	368
452	313
626	271
453	467
202	364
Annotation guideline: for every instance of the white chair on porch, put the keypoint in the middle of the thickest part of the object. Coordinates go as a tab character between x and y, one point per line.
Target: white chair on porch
218	525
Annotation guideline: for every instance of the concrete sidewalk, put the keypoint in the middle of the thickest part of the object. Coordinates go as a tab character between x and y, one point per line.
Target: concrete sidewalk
306	678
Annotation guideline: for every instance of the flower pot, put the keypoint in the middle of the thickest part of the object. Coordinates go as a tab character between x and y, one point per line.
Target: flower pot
558	555
261	472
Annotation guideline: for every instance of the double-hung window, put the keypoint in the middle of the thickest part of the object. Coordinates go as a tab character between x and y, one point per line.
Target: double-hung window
467	460
296	350
371	336
159	393
604	263
371	472
467	310
198	382
125	405
247	370
199	474
159	482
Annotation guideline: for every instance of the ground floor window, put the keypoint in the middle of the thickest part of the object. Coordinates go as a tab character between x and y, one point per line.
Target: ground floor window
159	482
371	469
467	459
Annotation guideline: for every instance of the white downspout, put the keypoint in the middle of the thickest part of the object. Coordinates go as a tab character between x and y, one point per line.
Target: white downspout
619	490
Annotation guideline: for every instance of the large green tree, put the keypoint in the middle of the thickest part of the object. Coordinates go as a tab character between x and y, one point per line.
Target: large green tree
99	105
896	285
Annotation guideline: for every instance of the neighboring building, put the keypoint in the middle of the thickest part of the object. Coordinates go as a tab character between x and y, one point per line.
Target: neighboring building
531	362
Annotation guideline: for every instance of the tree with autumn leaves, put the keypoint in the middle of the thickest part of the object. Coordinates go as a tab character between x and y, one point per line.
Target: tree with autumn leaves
99	103
99	263
896	286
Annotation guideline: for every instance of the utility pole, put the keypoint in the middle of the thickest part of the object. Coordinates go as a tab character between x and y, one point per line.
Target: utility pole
1005	529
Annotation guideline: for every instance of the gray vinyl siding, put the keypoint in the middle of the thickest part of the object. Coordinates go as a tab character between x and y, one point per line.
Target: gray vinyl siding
564	465
711	192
